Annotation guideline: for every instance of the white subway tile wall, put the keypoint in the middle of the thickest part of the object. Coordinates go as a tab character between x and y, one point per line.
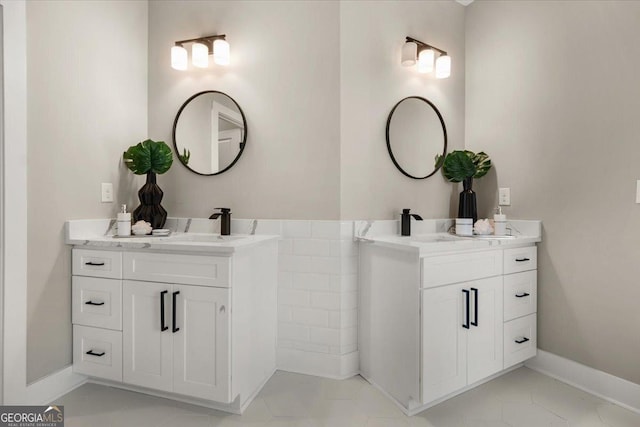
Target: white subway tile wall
317	301
318	283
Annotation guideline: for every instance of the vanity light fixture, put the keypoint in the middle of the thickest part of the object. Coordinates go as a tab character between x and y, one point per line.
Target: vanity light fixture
201	48
424	54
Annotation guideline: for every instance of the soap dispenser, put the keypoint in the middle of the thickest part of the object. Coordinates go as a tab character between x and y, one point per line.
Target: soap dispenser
499	223
124	222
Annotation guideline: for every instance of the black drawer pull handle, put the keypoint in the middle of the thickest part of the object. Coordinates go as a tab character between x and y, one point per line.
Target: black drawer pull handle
162	325
522	259
173	314
94	303
523	340
522	295
95	264
466	298
91	353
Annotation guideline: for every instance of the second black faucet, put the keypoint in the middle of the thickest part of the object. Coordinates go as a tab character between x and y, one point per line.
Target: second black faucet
225	221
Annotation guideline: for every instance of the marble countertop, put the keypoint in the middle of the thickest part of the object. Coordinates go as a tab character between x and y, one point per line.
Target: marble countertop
91	235
525	234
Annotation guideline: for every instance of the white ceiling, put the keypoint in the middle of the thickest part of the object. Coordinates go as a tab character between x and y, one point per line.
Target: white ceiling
465	2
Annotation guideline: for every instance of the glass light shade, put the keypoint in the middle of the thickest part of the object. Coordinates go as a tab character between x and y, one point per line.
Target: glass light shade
443	67
179	60
425	61
200	55
409	53
221	52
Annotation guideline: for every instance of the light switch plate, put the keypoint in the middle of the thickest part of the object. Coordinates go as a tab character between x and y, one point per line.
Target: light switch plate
638	191
504	196
107	192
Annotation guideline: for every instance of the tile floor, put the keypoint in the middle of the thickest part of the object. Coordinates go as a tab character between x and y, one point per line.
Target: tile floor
522	398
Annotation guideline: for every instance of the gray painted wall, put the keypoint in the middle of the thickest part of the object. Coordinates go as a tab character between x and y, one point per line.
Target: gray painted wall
372	81
284	74
87	103
552	95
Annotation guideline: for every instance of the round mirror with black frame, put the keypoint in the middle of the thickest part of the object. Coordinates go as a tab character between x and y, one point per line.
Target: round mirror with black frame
416	133
209	133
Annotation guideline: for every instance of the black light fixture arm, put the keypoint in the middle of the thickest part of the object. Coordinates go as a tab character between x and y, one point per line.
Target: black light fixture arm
422	45
207	40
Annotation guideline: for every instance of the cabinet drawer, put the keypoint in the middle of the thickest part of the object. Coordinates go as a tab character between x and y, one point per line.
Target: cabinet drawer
97	302
520	259
520	294
86	262
445	269
520	340
97	352
183	269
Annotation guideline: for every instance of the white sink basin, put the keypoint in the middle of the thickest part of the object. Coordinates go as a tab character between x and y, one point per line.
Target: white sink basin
434	238
491	236
204	238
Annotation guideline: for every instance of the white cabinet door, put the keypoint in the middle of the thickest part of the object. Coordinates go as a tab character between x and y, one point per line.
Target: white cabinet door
201	345
444	341
485	336
147	349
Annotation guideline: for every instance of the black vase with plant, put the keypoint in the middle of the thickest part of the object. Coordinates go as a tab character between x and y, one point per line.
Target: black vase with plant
464	166
150	158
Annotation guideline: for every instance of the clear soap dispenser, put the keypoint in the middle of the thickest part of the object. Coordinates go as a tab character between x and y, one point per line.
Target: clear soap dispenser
124	222
499	222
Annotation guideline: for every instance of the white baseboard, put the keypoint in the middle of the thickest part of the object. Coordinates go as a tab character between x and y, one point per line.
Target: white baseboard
51	387
606	386
321	365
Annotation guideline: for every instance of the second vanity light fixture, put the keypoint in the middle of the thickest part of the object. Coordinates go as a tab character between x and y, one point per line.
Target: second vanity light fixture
201	48
414	51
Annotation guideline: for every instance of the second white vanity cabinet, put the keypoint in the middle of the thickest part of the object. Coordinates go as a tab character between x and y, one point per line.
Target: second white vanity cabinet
461	335
434	323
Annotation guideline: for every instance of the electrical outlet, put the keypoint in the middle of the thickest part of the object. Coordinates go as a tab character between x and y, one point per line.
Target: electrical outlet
107	192
638	191
504	197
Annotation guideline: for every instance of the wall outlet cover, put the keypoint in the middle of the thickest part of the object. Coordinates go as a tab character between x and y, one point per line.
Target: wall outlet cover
107	192
504	196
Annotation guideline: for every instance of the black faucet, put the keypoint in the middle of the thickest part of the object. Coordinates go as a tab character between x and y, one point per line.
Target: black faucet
406	221
225	222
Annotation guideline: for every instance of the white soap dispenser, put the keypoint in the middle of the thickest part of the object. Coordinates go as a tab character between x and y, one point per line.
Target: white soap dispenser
124	222
499	222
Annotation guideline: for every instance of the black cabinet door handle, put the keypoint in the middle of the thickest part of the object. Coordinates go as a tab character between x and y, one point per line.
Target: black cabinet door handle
475	305
466	318
162	325
94	303
523	340
522	295
522	259
95	264
91	353
173	314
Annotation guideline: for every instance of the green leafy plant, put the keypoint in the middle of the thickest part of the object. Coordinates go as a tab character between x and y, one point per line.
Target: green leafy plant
148	156
460	165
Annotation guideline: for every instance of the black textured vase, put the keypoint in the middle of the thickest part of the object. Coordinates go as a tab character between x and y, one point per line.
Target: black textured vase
150	210
467	207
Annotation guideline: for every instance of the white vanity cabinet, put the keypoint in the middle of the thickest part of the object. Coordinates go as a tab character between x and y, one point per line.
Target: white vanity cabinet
461	335
186	352
196	325
434	324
